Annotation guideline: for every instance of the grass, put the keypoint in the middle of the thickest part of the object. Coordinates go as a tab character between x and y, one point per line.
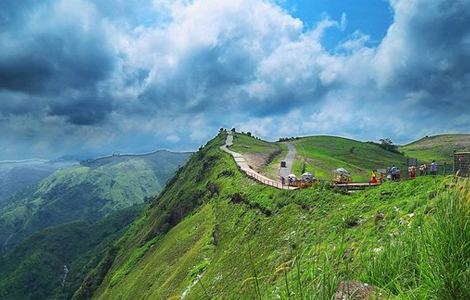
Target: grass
244	144
431	262
271	170
249	241
439	147
324	154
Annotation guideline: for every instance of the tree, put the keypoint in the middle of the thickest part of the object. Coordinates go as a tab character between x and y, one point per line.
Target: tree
386	142
248	133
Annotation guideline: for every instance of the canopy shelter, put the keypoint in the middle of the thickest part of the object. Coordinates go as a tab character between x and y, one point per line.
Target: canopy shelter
342	171
307	176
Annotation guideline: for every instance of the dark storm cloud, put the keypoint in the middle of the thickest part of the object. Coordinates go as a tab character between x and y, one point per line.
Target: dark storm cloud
49	53
121	73
83	111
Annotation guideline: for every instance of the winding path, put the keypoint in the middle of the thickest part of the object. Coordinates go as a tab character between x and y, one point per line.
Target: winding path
289	159
244	167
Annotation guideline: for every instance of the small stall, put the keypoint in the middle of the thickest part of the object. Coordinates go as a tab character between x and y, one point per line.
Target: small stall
342	176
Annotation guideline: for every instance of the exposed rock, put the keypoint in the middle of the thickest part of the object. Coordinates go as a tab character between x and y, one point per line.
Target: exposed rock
215	236
354	290
213	189
347	253
379	217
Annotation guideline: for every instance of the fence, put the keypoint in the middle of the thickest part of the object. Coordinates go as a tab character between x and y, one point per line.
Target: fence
266	181
442	169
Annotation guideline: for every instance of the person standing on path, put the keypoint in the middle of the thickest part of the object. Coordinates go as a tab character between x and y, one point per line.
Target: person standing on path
393	172
283	181
373	178
434	168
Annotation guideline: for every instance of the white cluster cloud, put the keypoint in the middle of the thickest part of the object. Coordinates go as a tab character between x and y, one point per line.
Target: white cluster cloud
120	75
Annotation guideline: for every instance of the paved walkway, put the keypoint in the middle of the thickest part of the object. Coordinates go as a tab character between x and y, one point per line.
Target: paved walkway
244	167
289	159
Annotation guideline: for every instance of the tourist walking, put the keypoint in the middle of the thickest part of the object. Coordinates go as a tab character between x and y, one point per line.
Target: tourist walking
421	170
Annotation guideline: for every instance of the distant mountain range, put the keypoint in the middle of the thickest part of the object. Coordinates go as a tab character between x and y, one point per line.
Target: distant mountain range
17	174
88	192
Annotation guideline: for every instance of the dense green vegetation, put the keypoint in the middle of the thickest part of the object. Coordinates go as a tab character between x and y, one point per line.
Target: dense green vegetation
439	147
85	193
214	233
33	270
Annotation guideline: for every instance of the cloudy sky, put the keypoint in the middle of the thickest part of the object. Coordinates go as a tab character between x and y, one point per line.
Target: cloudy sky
97	76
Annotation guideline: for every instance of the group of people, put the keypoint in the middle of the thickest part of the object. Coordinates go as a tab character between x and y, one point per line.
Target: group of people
393	173
423	169
374	179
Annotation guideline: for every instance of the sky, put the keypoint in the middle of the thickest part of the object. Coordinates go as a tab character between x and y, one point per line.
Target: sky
83	77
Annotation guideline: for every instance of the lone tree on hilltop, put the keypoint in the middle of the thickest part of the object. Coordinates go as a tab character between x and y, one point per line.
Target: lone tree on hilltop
387	144
386	141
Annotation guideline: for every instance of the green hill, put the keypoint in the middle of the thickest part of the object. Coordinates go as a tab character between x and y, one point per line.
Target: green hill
439	147
87	192
33	270
321	155
214	233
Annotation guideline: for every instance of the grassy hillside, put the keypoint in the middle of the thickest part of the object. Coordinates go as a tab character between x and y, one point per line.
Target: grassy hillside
33	270
258	153
214	233
85	193
324	154
439	147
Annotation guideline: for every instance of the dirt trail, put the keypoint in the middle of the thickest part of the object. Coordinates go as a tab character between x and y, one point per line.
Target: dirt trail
289	159
244	167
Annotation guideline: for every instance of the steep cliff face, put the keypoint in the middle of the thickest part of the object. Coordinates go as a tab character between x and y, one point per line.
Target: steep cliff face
214	233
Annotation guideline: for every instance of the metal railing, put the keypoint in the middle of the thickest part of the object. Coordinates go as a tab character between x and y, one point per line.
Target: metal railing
268	182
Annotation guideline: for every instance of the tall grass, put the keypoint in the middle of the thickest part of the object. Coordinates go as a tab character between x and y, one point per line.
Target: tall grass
432	262
308	275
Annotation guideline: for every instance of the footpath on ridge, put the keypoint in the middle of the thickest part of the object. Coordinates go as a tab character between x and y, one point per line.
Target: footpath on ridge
289	159
244	167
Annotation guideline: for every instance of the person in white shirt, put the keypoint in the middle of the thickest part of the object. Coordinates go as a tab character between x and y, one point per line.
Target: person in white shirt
433	168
